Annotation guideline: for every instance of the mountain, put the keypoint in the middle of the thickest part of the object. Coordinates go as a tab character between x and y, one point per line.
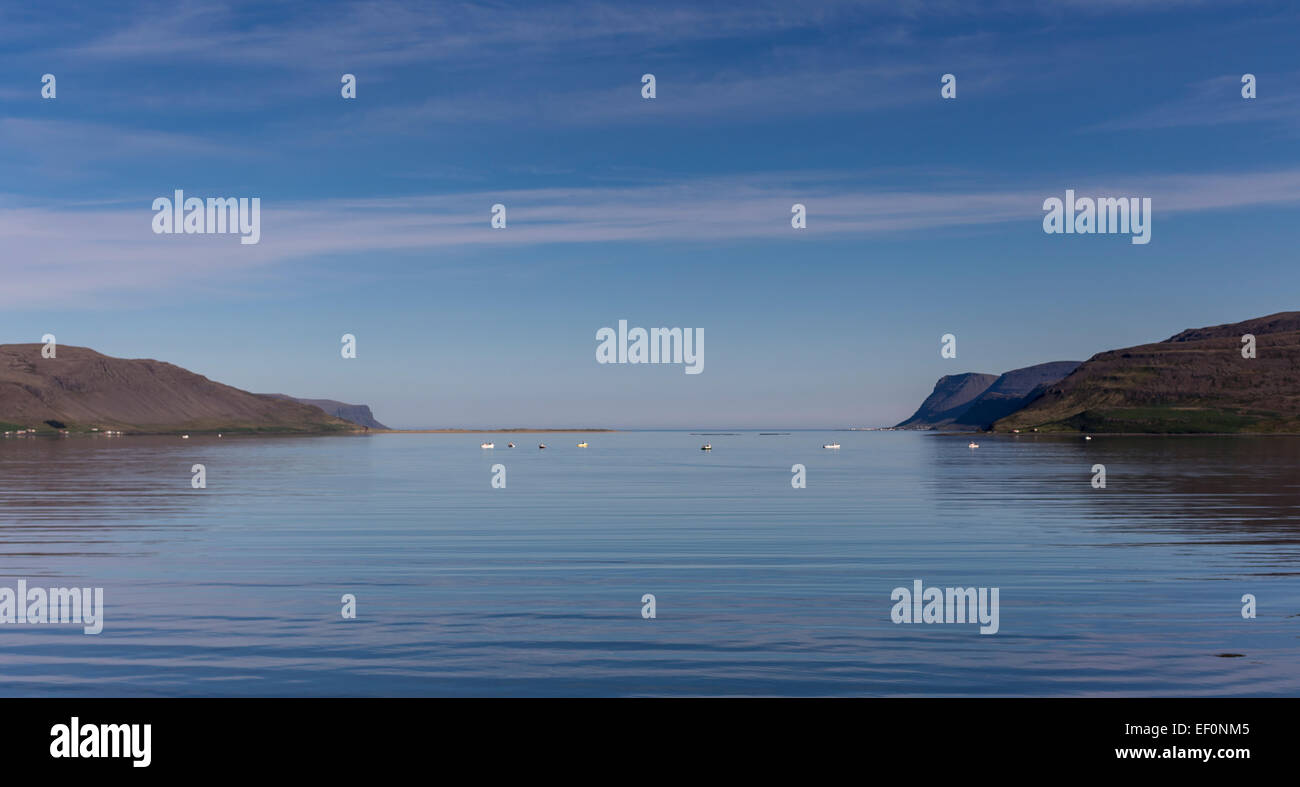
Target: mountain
1194	381
1011	392
949	399
81	389
358	414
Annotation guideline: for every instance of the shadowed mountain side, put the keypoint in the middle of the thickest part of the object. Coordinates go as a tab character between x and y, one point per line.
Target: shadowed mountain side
358	414
1011	392
81	389
949	399
1196	381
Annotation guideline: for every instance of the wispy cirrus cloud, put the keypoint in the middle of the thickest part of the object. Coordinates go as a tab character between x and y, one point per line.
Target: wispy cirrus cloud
45	151
468	44
388	32
732	95
1216	102
455	59
69	253
82	141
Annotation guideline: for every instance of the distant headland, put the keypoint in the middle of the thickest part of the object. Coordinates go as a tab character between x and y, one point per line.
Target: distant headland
80	391
83	391
1238	378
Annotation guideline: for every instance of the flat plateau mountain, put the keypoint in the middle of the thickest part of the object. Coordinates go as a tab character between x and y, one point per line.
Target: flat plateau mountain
965	402
358	414
82	390
949	399
1011	392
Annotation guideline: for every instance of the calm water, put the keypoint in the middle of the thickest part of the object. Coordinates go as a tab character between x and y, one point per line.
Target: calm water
761	588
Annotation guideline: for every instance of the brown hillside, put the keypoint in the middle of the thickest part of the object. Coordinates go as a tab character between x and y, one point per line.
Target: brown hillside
83	389
1194	381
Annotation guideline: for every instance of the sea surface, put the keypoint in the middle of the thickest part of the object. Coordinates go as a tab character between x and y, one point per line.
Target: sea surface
760	588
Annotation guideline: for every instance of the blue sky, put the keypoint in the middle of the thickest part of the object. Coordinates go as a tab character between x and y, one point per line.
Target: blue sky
924	214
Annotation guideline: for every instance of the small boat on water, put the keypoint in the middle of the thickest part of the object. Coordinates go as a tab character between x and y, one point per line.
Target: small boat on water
831	445
541	446
185	437
510	445
487	445
973	445
1087	437
583	444
706	447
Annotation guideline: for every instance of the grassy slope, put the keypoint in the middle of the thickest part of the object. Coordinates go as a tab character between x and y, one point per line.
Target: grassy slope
1198	383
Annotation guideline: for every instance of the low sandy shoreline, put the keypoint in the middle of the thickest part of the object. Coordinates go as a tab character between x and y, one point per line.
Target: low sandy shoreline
488	431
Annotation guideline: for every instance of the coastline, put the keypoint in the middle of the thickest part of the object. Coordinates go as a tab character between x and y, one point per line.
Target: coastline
514	430
1096	435
294	432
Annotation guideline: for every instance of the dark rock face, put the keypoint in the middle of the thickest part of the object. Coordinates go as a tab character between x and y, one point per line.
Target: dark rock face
1013	391
358	414
950	398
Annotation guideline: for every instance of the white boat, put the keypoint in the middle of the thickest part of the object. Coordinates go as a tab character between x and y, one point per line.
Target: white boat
510	445
831	445
583	444
541	446
706	447
488	445
973	445
1087	437
185	437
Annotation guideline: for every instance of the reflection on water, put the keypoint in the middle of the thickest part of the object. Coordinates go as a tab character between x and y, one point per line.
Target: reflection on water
761	588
